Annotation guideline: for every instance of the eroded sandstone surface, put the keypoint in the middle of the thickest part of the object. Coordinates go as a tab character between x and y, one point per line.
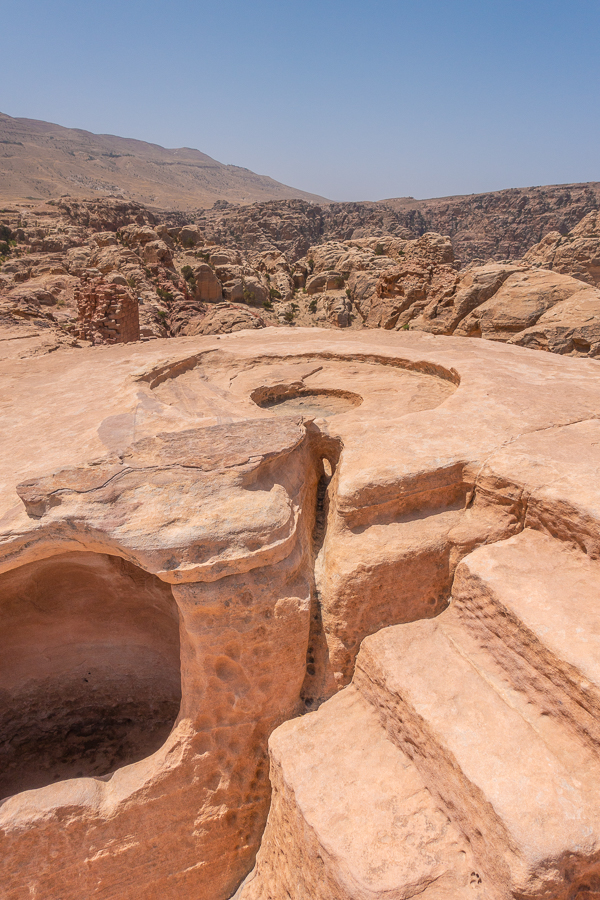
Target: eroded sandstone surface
381	552
75	272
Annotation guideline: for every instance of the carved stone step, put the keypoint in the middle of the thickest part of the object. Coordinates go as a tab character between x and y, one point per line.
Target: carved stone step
524	790
351	818
533	603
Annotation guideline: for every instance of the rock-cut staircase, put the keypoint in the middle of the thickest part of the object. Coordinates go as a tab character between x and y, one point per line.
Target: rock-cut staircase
463	761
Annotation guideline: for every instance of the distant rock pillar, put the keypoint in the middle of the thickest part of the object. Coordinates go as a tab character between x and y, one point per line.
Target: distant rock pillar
107	313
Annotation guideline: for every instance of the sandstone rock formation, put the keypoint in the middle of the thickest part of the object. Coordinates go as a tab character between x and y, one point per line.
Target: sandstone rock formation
398	531
178	273
576	253
107	313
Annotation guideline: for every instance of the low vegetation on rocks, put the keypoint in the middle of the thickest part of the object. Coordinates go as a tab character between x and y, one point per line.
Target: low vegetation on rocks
285	263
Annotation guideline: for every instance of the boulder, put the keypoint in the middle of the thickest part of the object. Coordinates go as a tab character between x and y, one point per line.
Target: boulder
327	281
569	327
576	254
225	318
206	286
520	301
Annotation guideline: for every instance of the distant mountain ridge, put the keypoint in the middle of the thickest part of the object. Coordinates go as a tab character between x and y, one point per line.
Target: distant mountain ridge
41	161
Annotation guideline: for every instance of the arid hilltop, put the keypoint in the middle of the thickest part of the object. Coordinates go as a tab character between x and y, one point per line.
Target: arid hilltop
41	161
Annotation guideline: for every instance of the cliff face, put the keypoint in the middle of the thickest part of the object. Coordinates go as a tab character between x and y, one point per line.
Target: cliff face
501	225
91	270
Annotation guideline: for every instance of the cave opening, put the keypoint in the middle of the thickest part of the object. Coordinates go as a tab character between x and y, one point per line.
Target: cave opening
90	675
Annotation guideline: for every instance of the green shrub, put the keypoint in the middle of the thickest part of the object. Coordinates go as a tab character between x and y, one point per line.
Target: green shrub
267	304
188	273
313	306
311	265
274	294
164	295
289	315
378	250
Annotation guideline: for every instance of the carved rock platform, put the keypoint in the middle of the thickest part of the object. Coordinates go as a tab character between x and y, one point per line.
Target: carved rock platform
374	553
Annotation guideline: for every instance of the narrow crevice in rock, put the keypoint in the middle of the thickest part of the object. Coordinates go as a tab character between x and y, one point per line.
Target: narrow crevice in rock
320	527
316	653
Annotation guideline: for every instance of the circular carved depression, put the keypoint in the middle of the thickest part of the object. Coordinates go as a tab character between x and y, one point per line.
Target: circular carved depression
89	668
219	385
287	400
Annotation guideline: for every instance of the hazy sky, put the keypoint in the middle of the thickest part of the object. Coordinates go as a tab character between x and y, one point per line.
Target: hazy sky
346	99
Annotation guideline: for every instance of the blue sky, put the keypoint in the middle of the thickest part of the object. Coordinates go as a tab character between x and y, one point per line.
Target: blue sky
349	100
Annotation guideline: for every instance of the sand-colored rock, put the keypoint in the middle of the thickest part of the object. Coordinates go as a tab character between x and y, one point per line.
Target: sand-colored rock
177	268
107	312
206	285
576	254
351	816
518	303
291	493
225	318
570	327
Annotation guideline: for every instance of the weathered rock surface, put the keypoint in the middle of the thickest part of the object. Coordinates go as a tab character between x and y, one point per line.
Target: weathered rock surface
576	253
351	816
265	258
307	502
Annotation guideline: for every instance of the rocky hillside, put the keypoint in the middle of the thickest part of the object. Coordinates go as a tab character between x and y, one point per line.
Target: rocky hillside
502	224
111	271
42	161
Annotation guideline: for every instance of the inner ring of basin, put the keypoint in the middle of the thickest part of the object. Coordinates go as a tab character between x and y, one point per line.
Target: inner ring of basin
288	399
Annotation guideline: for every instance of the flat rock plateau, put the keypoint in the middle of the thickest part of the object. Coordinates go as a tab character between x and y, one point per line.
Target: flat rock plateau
299	537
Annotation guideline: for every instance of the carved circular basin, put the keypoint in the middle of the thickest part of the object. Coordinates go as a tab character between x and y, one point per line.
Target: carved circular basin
285	400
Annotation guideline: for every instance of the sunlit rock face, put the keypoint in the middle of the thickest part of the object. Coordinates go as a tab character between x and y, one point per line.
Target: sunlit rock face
369	556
